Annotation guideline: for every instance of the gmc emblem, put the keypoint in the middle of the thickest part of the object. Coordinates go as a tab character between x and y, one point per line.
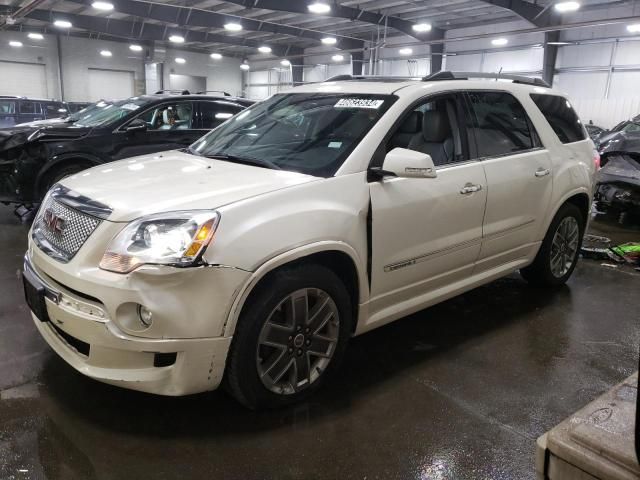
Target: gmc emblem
53	222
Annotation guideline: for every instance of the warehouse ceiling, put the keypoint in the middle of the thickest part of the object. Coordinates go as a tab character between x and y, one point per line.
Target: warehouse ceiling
286	26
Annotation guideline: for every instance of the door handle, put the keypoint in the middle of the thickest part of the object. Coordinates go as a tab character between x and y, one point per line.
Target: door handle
542	172
470	188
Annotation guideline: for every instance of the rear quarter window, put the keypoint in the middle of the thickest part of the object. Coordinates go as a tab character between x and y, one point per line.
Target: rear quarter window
561	117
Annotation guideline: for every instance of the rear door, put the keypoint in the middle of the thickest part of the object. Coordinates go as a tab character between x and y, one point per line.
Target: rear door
213	113
519	177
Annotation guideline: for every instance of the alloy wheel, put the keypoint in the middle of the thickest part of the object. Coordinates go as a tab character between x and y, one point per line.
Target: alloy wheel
564	246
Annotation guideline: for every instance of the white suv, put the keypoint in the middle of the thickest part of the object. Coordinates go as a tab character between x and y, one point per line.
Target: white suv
316	215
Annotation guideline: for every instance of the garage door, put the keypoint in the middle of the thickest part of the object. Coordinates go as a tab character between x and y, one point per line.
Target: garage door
110	84
26	79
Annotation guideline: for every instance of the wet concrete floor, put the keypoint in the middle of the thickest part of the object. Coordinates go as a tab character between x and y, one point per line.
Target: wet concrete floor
458	391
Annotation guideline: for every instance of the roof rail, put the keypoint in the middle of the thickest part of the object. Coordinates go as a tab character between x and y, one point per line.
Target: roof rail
371	78
226	94
447	75
180	92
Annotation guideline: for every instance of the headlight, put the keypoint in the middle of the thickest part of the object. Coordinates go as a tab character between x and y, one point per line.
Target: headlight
176	238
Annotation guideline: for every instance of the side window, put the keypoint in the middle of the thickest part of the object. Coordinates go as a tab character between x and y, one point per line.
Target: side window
213	114
437	127
169	116
7	106
29	107
501	124
54	109
561	116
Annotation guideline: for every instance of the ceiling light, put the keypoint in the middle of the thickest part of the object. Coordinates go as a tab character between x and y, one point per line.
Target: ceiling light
329	41
106	53
216	56
319	7
499	42
176	39
233	27
421	27
563	7
180	60
15	43
337	58
633	28
405	51
135	48
285	63
245	66
264	49
62	24
35	36
105	6
558	43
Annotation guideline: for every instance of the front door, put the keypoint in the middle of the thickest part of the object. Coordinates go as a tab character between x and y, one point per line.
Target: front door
519	176
426	232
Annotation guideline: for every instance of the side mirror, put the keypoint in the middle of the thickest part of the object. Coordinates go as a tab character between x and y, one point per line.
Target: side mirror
136	125
405	163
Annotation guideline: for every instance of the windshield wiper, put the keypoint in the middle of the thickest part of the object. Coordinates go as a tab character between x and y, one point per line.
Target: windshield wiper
256	162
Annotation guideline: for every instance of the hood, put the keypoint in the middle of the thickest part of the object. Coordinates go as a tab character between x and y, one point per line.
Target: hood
43	123
619	142
174	180
620	167
21	134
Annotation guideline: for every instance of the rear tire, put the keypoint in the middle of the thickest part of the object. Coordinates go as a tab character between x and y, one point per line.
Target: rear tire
558	254
290	338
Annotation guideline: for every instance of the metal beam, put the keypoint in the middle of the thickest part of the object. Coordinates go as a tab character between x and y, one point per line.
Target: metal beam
341	11
534	14
152	32
194	17
550	56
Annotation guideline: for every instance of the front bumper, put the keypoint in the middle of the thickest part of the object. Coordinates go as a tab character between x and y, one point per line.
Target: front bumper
88	332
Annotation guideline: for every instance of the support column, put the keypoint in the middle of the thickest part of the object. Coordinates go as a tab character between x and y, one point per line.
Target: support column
550	56
437	49
357	58
296	72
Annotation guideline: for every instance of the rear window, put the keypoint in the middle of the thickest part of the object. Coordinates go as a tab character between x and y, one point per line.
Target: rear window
561	116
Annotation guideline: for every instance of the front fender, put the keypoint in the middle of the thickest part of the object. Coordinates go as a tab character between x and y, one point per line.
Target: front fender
56	161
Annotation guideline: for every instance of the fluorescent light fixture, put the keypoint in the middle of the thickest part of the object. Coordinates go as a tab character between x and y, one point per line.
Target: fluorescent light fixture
15	43
35	36
216	56
176	39
633	28
499	42
329	41
233	27
62	24
223	115
244	66
106	53
563	7
180	60
421	27
319	7
264	49
405	51
135	48
285	63
337	58
104	6
558	43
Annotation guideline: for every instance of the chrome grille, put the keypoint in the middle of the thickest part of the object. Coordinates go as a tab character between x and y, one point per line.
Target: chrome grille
60	231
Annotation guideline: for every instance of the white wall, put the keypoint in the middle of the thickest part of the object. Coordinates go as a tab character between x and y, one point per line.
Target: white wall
42	52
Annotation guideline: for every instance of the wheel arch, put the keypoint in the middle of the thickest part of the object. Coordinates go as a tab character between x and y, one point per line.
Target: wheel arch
340	257
579	197
61	160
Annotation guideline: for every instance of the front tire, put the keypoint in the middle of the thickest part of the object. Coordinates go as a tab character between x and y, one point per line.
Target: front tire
290	337
558	254
60	173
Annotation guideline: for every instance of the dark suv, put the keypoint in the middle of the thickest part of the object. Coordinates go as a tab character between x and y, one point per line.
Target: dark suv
15	110
34	157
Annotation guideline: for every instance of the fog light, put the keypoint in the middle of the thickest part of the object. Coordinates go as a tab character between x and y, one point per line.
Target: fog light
145	315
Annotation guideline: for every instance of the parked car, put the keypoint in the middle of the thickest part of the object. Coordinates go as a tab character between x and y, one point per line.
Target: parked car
15	110
34	157
618	183
623	137
594	131
316	215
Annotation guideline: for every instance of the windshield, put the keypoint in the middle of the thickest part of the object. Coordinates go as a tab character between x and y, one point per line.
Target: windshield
105	113
310	133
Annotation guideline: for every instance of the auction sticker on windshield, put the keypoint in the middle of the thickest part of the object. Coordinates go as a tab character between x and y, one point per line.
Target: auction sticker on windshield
359	103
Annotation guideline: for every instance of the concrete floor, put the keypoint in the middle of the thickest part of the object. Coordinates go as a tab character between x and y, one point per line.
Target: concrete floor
460	391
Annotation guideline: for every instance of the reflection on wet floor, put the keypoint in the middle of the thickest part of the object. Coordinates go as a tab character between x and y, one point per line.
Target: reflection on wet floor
460	390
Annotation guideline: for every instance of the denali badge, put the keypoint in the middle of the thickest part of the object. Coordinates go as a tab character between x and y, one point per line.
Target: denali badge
53	222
